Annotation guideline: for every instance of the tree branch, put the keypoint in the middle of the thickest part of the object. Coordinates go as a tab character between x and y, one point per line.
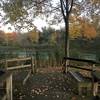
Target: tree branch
71	6
62	10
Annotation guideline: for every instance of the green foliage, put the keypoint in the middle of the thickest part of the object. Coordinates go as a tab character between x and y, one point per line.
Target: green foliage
46	35
78	45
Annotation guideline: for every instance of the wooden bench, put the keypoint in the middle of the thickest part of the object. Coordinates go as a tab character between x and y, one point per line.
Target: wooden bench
80	84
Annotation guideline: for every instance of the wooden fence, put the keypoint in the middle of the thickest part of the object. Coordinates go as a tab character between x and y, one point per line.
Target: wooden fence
21	64
7	77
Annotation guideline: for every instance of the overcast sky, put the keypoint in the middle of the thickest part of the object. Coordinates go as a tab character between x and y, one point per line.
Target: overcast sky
39	23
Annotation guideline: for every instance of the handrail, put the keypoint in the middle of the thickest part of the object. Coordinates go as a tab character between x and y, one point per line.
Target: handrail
72	66
18	59
81	60
19	67
30	65
93	74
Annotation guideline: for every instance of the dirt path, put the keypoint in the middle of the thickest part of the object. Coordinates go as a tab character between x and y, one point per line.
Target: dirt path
47	86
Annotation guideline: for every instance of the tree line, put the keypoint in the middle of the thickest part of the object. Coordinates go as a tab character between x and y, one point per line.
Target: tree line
50	36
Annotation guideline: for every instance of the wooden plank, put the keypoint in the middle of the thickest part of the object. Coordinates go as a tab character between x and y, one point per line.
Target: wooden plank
19	67
81	60
26	78
95	89
9	87
18	59
33	66
87	69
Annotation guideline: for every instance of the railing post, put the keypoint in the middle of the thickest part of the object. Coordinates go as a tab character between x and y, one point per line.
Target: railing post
9	87
94	84
33	66
6	64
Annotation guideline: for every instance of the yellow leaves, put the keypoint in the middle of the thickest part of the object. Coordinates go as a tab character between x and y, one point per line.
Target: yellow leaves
81	27
33	36
72	18
54	37
88	30
74	31
94	1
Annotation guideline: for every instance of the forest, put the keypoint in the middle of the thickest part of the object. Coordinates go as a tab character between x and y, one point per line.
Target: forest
49	36
50	63
84	24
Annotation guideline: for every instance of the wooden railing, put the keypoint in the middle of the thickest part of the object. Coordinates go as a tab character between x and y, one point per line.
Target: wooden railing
21	65
92	70
30	65
17	60
8	75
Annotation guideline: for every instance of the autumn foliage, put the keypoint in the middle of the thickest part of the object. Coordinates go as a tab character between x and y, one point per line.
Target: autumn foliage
33	36
88	30
11	36
81	27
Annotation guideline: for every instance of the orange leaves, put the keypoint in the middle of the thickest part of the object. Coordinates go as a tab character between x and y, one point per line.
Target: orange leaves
88	30
74	31
81	27
11	36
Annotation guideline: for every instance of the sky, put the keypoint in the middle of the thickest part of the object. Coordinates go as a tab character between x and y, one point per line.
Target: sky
8	28
39	23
